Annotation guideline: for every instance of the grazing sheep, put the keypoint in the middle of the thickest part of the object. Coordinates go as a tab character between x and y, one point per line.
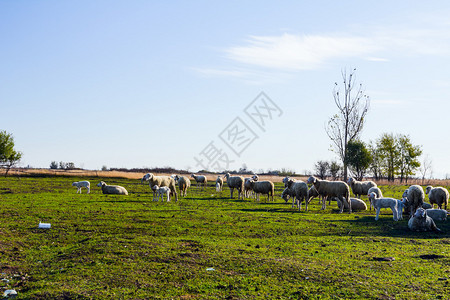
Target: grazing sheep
235	182
375	190
160	192
420	221
263	187
80	184
327	188
437	214
299	192
415	197
200	179
379	203
183	184
161	181
360	188
219	184
112	189
285	180
312	193
437	195
357	204
286	194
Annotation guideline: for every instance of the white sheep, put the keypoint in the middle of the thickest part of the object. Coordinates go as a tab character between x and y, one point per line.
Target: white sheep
414	198
235	182
263	187
360	188
312	193
183	184
160	192
437	214
82	184
112	189
375	190
200	179
357	204
420	221
219	184
327	188
286	194
161	181
299	191
379	203
437	195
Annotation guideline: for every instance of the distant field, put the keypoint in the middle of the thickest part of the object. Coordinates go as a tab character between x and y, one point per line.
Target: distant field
206	246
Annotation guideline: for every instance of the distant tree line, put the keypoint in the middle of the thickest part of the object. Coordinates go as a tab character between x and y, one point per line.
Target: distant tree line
391	156
62	165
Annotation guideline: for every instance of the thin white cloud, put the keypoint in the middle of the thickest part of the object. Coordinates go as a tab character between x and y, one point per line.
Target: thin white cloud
298	52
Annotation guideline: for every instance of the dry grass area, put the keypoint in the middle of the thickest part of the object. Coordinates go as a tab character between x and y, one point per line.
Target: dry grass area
210	177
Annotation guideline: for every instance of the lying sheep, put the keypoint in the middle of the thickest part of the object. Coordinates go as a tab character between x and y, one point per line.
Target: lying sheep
200	179
420	221
357	204
82	184
375	190
161	181
360	188
235	182
415	197
437	195
299	192
112	189
263	187
379	203
337	189
219	184
160	192
437	214
183	184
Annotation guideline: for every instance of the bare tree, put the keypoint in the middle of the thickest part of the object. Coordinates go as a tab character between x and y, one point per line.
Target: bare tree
426	167
347	124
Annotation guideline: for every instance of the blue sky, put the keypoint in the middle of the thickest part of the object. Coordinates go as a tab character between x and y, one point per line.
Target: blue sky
153	83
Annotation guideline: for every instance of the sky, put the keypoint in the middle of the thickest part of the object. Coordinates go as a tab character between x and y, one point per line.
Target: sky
215	84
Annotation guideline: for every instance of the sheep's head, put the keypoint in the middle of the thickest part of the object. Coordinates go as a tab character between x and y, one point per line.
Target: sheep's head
427	191
350	180
420	213
155	188
372	196
101	183
193	175
255	177
74	183
285	180
285	194
311	180
405	193
226	176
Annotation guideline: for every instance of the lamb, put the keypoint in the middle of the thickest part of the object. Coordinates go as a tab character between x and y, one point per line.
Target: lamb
415	197
161	181
235	182
263	187
200	179
219	184
183	184
327	188
247	187
299	192
112	189
312	193
357	204
160	191
437	214
375	190
379	203
437	195
360	188
80	184
420	221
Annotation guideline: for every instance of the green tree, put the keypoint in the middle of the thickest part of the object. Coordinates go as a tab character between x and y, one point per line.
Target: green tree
376	165
321	168
8	156
335	168
347	124
388	153
53	165
408	160
358	158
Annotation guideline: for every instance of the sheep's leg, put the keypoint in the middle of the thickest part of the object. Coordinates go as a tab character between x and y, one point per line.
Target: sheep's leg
231	192
349	205
378	213
88	190
168	196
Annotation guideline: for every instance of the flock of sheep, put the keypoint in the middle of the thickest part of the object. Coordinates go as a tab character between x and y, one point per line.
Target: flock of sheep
421	214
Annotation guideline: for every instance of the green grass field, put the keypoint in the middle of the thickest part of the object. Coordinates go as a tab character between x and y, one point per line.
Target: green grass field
207	246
